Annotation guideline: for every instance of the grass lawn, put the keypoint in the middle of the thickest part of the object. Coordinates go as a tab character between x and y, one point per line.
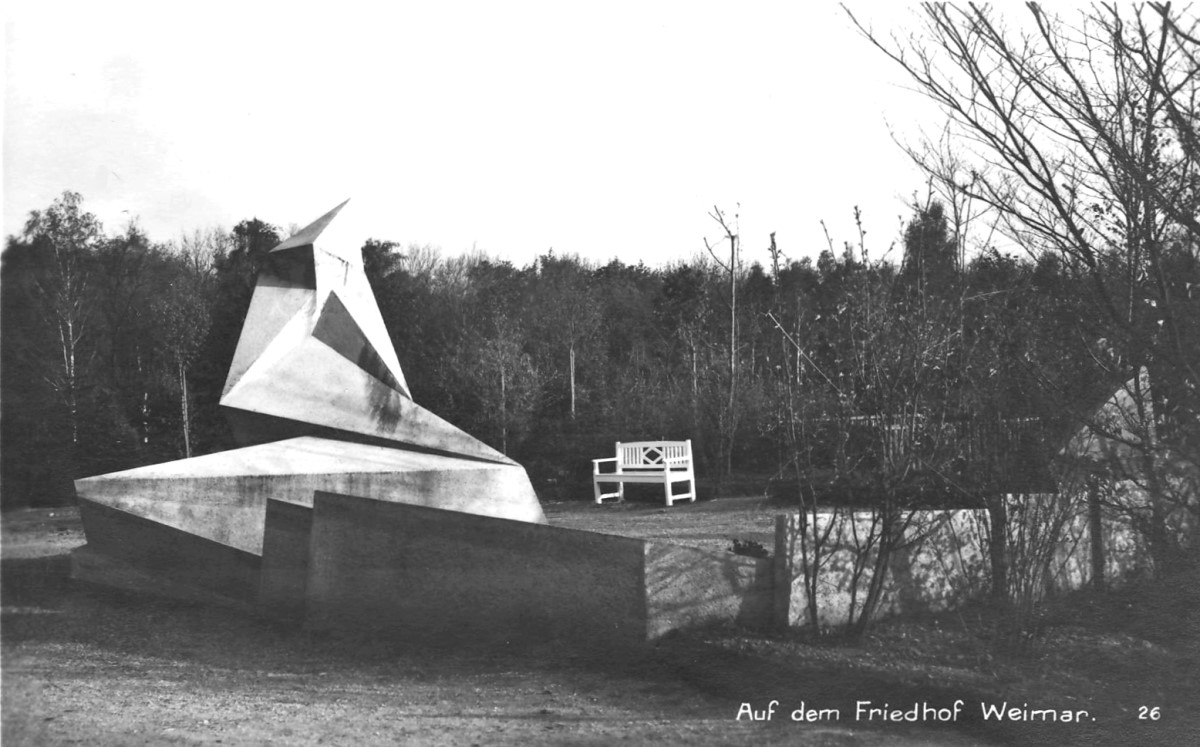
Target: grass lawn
87	665
712	525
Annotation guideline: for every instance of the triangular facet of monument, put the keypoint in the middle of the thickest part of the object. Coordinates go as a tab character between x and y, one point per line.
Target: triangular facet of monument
348	279
337	328
273	307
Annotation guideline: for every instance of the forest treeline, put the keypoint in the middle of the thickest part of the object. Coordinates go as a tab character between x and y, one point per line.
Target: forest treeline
116	348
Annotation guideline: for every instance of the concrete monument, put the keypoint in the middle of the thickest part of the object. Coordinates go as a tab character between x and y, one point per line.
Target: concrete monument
316	395
348	505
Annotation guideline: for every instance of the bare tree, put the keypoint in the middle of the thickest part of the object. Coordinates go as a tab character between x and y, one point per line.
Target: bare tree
183	320
65	235
567	315
871	382
728	418
1081	137
504	379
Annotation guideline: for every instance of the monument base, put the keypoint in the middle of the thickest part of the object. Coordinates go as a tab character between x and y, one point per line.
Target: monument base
92	567
222	497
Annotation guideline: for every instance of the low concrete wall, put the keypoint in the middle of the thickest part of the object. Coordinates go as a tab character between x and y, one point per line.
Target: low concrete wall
397	568
687	586
400	568
940	563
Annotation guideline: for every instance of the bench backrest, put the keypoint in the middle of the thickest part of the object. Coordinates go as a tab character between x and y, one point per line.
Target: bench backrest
651	454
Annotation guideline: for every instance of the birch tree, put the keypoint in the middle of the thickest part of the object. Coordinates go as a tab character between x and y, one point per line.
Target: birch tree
63	237
182	322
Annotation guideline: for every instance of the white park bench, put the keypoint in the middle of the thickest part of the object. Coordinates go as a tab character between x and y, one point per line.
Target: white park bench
665	462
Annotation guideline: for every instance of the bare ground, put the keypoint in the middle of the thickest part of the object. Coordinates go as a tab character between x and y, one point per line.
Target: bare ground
87	665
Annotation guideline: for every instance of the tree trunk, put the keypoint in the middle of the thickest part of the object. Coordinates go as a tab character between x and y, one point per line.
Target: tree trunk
503	412
1096	530
998	545
1163	544
66	335
572	381
184	414
883	558
731	423
144	408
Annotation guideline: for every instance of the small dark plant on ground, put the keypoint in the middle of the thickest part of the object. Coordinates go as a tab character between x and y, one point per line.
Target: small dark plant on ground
749	548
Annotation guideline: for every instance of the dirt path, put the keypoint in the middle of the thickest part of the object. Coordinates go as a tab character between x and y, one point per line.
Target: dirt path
86	665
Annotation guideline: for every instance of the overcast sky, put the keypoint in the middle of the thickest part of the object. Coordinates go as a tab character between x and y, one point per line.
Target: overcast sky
604	130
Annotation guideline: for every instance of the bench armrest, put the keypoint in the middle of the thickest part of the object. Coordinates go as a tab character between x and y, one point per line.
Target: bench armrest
596	465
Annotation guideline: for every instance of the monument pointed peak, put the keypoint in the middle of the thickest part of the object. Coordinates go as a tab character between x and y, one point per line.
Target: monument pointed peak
308	235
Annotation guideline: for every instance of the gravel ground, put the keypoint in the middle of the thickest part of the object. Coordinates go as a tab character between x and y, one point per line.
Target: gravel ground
87	665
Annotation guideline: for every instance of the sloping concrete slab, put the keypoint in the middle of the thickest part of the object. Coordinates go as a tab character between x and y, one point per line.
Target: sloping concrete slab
222	497
312	383
135	553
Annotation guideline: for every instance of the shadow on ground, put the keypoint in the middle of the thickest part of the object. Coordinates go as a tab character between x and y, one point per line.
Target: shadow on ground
67	633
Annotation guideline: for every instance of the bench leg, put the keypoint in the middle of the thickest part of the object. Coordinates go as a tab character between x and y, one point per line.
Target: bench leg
602	496
690	495
671	497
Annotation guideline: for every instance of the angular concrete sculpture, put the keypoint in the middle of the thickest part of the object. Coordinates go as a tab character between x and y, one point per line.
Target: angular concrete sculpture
314	354
317	396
